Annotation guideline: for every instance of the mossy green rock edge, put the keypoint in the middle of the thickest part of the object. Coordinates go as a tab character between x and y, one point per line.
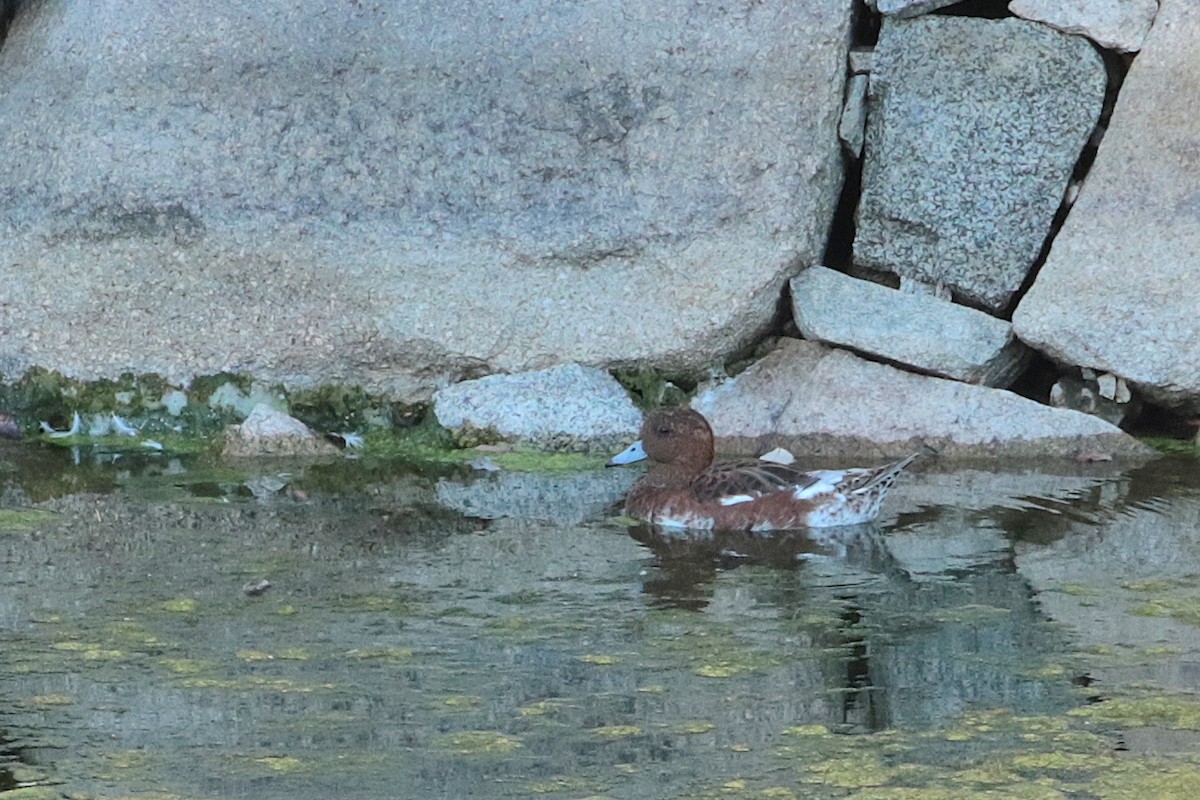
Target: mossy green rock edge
192	419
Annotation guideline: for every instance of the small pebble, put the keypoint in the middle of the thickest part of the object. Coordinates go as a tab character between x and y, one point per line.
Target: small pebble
9	428
484	464
256	588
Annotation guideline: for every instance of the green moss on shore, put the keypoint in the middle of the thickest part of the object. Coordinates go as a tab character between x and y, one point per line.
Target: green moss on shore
157	409
1186	447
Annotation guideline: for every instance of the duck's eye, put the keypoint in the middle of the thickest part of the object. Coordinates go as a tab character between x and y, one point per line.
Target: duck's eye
664	430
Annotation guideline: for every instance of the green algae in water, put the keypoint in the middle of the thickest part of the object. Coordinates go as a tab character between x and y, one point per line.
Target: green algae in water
478	743
1174	711
851	772
709	650
256	683
806	730
91	651
1150	585
281	763
1177	447
1146	780
1175	599
462	702
182	605
722	669
373	603
617	731
565	783
541	708
599	660
31	793
392	654
23	519
184	666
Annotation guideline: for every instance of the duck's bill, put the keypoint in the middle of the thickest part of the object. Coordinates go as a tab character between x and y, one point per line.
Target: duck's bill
630	454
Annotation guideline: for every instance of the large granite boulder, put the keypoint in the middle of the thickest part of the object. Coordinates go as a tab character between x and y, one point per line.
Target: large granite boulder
814	400
1120	291
920	331
568	406
974	127
398	195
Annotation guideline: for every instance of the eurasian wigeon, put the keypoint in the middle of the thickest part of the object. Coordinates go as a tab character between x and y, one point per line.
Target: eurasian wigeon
684	488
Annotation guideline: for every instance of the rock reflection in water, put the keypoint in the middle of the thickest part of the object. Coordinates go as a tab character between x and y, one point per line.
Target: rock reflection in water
434	632
913	650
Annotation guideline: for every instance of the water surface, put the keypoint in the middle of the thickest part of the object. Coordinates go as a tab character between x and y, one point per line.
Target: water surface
1025	631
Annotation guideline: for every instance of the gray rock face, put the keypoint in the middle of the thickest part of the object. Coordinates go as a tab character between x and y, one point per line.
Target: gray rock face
567	406
916	330
398	195
908	8
974	127
814	400
1115	24
1119	291
852	129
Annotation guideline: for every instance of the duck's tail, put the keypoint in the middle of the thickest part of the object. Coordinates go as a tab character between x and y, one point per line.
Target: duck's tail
882	479
867	498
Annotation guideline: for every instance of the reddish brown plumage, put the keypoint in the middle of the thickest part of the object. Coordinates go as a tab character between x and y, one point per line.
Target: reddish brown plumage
685	488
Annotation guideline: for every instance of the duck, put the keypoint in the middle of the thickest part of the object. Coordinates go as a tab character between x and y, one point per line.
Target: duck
686	488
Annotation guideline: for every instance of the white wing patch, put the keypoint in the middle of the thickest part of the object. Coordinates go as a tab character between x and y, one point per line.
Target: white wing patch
734	499
827	481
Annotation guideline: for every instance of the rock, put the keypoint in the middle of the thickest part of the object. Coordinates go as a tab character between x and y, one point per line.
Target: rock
566	407
819	401
915	330
256	588
269	432
9	429
853	126
938	290
1126	256
860	59
1113	24
908	8
174	401
973	129
328	197
1108	386
1087	396
230	397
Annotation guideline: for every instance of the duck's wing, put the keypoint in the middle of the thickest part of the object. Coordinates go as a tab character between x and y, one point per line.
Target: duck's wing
731	482
858	481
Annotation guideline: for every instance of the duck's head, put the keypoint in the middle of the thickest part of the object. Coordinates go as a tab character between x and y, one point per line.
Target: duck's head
675	435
